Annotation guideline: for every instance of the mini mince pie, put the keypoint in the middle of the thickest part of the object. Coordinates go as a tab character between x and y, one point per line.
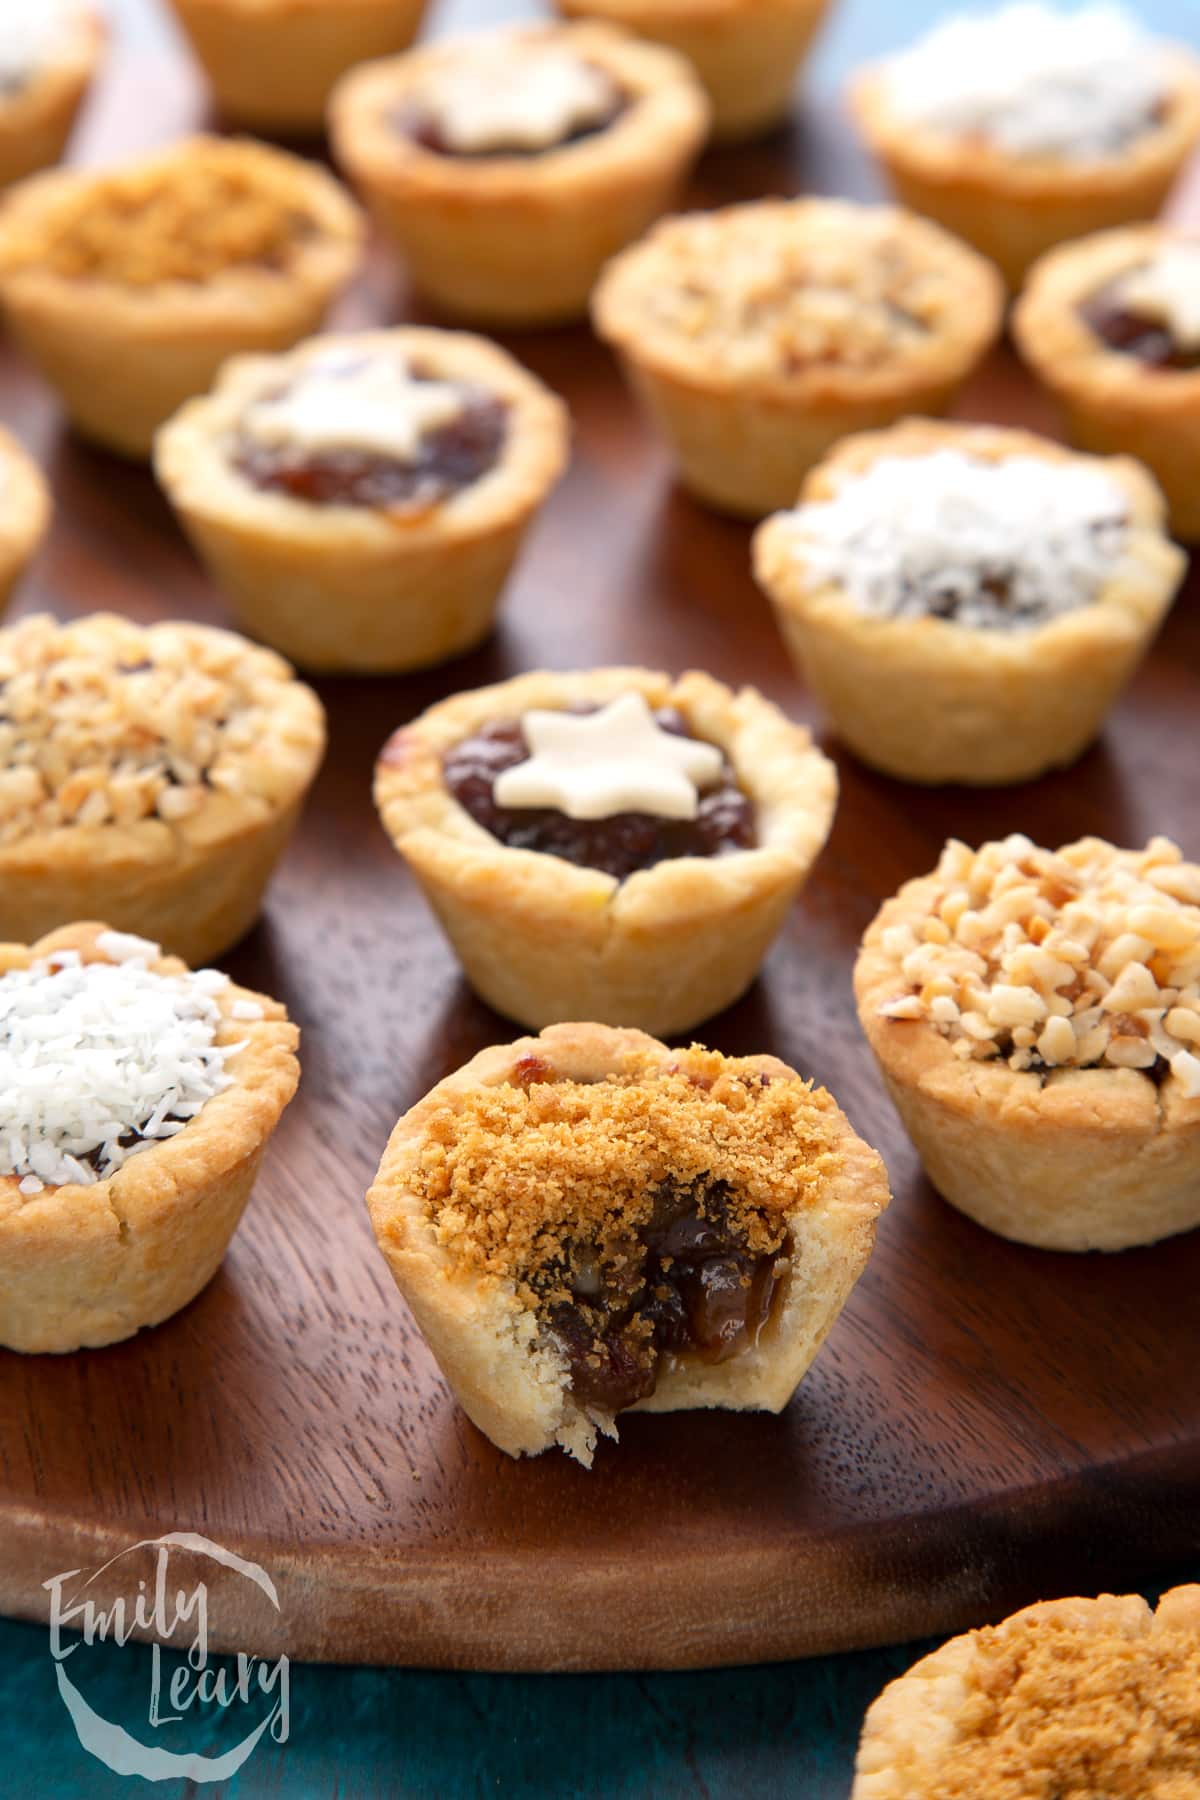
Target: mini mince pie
361	499
610	844
25	509
1112	326
1065	1700
746	52
272	63
509	166
967	601
152	773
1036	1017
136	1101
1024	127
50	51
759	335
175	262
585	1223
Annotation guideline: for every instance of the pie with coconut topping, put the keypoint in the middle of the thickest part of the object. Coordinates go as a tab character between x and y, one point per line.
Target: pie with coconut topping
1066	1700
1036	1016
510	165
759	335
609	844
1027	126
152	772
136	1100
362	499
49	55
178	261
1112	326
968	601
586	1222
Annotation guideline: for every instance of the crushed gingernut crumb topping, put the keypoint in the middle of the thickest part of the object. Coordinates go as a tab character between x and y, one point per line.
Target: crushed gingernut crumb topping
778	287
1054	1713
188	214
518	1179
104	722
1085	957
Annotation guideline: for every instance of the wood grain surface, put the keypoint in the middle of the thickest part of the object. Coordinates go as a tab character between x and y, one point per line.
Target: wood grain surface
987	1424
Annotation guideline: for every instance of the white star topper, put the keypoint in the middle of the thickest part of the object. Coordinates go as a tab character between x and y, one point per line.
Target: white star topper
592	765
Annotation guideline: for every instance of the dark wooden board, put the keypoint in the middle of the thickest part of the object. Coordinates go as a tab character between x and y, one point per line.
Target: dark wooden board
987	1424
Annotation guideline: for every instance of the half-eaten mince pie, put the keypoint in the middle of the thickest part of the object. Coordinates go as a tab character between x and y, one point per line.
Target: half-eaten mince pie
272	63
759	335
1036	1017
1065	1700
176	262
586	1222
49	54
611	844
25	509
361	499
136	1101
151	774
1112	326
746	52
1027	126
968	601
509	166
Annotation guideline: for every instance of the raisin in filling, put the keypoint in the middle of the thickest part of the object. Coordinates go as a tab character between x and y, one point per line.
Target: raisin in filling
451	457
617	846
687	1285
420	124
1132	333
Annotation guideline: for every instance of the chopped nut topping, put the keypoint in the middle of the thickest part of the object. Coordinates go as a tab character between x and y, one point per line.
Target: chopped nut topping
1054	1713
188	214
779	287
516	1177
1083	957
104	722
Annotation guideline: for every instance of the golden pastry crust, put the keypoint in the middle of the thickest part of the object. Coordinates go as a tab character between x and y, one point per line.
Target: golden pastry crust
88	812
1014	209
272	64
746	52
759	335
931	700
1070	1697
1066	1157
180	260
37	120
85	1266
543	939
1112	401
521	240
25	510
509	1377
352	587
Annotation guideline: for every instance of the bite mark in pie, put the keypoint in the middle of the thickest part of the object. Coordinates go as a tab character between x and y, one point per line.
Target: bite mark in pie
586	1222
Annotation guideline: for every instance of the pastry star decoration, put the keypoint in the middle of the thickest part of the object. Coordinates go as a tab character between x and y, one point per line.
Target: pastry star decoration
1169	289
617	760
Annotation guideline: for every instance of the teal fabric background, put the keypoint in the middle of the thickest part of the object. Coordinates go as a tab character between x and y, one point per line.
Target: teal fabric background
358	1734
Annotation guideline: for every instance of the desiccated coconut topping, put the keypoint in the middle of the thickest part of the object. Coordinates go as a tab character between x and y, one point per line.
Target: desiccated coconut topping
1086	957
99	1060
1007	544
779	287
1033	81
103	722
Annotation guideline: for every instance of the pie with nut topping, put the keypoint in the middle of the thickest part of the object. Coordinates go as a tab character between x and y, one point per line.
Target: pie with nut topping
1036	1018
150	773
760	334
178	261
586	1223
